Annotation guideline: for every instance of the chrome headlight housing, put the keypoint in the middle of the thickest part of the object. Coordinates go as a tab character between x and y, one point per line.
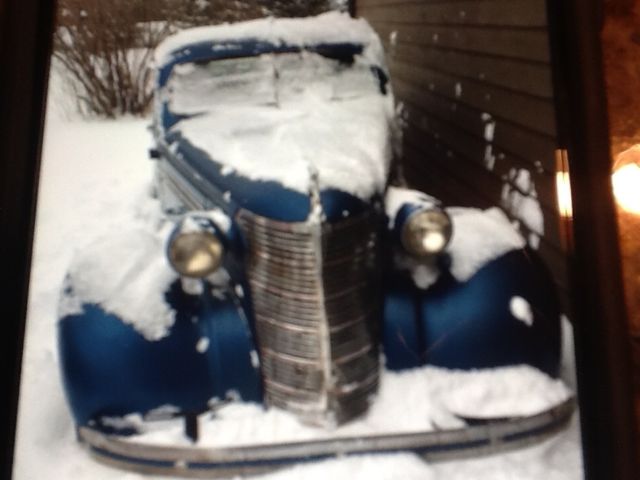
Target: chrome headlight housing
426	232
195	254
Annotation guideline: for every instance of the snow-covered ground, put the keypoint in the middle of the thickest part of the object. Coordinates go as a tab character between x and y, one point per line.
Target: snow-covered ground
437	399
95	178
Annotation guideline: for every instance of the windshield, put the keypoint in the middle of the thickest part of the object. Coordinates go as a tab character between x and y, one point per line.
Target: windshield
271	79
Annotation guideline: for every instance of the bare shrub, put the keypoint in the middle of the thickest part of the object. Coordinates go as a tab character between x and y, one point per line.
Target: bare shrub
106	46
205	12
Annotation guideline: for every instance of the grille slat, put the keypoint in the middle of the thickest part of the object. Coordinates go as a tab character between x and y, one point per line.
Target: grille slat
294	374
294	251
312	288
288	316
281	340
265	273
275	288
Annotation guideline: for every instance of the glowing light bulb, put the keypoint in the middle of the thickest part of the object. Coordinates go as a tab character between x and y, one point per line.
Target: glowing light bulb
626	187
626	180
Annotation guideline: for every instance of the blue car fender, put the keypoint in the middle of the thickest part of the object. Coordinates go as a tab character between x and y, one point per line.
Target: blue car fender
111	370
506	314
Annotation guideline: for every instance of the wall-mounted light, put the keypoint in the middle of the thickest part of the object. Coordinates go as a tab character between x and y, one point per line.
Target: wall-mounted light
626	180
563	198
563	187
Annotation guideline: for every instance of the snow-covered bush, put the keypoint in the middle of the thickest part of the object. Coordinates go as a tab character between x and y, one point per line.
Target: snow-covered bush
106	47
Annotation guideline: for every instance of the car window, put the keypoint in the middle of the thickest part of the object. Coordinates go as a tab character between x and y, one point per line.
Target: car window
306	73
196	87
268	79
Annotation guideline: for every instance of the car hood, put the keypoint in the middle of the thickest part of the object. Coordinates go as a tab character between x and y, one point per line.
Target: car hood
335	145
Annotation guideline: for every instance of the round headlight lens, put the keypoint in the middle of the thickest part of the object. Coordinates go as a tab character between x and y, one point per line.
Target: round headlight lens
426	232
195	254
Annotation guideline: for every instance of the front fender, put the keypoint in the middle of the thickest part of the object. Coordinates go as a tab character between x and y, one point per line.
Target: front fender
475	324
111	370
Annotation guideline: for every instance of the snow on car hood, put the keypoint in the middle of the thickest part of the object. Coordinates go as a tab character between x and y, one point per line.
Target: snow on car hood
346	142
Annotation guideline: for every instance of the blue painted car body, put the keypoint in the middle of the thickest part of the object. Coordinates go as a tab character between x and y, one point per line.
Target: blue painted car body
111	370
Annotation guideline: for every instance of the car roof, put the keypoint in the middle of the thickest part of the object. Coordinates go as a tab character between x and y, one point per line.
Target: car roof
326	33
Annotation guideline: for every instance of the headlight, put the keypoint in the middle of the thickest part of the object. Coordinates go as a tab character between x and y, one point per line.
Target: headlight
195	254
426	232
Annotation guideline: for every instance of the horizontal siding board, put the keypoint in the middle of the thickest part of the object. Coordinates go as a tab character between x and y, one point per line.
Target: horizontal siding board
472	150
513	13
556	262
513	141
509	43
376	3
524	148
533	113
517	75
479	181
444	188
434	178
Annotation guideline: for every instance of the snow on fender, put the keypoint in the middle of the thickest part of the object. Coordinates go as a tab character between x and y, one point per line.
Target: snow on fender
132	340
125	273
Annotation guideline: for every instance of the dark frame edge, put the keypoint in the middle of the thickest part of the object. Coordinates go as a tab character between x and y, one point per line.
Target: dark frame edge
26	28
601	335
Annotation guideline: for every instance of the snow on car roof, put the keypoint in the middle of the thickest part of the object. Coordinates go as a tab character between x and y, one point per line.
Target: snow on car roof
328	28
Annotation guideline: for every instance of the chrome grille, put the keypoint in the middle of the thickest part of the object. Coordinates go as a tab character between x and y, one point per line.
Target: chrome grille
315	293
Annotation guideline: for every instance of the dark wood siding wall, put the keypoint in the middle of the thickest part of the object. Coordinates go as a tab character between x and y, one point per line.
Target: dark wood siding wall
474	80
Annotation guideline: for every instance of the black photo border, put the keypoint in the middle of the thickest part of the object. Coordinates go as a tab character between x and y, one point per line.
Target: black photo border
25	47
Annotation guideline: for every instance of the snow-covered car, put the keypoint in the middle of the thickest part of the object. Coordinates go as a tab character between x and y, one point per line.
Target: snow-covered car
293	273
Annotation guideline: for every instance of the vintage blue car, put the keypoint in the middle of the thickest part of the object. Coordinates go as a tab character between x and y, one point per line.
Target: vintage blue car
298	271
